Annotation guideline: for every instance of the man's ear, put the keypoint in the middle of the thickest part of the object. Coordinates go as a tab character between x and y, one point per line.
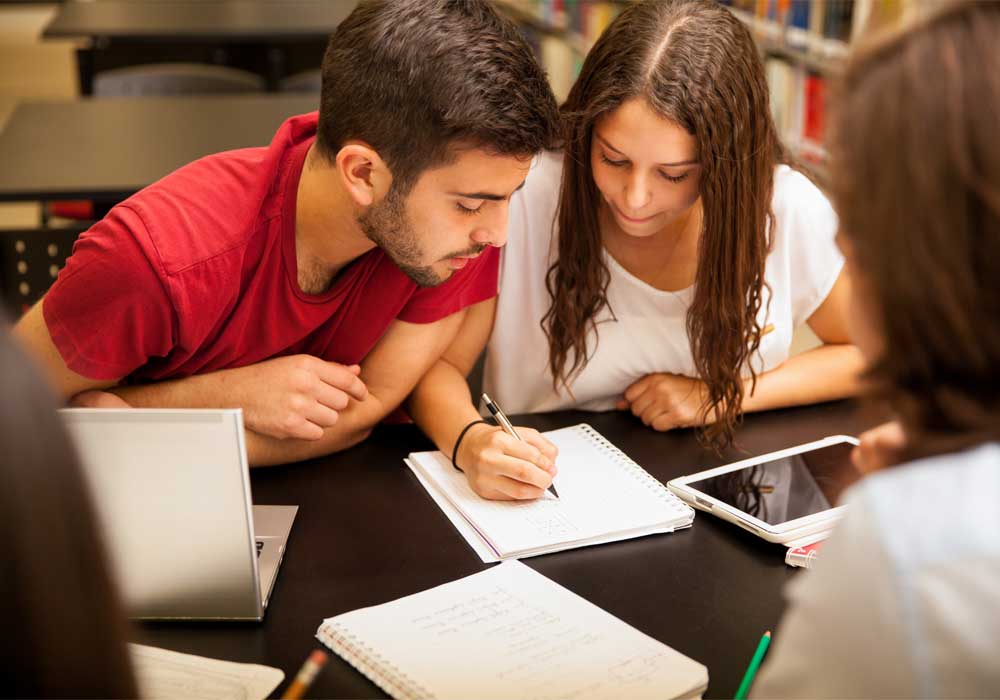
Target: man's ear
364	174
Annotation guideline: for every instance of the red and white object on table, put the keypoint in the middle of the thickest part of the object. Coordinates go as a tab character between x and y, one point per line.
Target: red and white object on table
803	553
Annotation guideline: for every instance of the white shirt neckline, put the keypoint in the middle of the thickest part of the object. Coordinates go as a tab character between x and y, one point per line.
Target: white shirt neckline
685	296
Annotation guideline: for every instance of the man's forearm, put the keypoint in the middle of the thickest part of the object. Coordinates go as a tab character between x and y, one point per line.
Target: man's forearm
354	425
212	390
219	390
265	451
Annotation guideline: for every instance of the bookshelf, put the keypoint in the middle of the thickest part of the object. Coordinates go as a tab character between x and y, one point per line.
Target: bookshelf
804	44
562	32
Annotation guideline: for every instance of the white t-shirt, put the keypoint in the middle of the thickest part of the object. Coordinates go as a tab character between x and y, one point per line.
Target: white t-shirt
644	329
902	601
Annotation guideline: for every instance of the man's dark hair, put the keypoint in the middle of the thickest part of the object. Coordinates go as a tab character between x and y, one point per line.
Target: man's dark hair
414	78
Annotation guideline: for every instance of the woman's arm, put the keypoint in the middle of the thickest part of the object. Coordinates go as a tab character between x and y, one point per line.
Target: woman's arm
832	371
497	465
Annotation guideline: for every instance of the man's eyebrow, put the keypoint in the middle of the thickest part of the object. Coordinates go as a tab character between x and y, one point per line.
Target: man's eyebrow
669	165
486	195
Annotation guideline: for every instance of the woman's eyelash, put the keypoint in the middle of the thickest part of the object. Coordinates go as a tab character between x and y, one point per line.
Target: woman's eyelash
466	210
622	163
673	178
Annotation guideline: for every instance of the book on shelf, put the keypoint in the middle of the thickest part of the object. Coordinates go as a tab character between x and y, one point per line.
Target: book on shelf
799	18
798	106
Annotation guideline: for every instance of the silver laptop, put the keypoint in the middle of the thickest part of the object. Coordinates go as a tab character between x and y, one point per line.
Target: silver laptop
172	491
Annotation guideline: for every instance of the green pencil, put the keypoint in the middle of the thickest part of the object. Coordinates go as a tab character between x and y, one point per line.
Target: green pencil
758	656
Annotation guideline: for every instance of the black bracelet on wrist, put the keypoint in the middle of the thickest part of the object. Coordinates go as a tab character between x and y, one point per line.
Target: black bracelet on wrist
454	452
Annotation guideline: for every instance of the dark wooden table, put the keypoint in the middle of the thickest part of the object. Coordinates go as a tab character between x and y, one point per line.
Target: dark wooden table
108	149
368	533
272	37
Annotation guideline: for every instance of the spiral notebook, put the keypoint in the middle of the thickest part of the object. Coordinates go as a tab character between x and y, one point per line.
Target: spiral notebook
507	632
603	497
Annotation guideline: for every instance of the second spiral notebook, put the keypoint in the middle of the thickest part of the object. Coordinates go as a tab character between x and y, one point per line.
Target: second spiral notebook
603	497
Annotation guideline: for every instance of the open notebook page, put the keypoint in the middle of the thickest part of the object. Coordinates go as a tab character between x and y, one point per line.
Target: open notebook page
508	632
162	673
601	496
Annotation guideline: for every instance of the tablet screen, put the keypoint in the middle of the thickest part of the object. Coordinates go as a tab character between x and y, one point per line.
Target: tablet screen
788	488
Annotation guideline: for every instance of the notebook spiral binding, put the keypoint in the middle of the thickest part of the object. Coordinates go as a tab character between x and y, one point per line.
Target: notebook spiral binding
373	665
633	469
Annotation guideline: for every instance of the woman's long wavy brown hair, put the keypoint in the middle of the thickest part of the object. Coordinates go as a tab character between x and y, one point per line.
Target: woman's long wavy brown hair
916	183
696	65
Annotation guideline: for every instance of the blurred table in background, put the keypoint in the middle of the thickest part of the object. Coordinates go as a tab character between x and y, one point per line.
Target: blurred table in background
107	149
274	38
103	150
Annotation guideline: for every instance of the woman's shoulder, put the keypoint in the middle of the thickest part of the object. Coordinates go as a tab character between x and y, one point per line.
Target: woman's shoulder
794	192
805	226
533	208
541	187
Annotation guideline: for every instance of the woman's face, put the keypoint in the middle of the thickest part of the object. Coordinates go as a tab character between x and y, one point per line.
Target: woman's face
645	168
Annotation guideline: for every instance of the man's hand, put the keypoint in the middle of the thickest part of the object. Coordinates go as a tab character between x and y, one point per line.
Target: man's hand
880	447
295	396
98	399
665	401
501	467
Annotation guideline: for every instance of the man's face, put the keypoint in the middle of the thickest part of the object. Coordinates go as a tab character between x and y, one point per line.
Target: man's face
449	217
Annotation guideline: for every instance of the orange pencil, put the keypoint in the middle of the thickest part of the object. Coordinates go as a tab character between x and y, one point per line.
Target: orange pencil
306	675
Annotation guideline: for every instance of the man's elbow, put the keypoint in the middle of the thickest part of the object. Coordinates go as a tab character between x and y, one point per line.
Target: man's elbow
355	437
266	452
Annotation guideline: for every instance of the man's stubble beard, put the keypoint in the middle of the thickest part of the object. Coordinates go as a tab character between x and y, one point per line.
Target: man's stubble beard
385	224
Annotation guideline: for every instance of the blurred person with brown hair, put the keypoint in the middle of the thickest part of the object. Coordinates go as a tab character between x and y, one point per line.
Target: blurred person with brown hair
659	264
64	630
903	600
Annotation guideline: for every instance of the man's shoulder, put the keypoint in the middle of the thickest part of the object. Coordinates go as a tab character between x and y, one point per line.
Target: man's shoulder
206	208
217	203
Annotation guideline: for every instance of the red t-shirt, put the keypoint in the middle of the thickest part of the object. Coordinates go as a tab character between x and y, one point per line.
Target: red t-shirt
197	273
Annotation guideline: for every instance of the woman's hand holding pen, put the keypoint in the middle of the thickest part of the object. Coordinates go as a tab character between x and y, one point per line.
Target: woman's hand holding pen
501	467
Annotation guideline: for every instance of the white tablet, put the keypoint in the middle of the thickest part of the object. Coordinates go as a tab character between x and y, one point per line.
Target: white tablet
782	496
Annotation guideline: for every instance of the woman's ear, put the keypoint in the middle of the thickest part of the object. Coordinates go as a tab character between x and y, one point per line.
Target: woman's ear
364	174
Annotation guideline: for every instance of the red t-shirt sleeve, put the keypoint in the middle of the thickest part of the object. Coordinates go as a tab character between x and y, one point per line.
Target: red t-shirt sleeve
476	282
108	312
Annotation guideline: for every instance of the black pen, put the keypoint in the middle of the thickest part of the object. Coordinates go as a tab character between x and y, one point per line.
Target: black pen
508	428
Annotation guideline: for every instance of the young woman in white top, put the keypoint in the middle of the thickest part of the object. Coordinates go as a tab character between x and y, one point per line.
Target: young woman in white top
659	264
904	600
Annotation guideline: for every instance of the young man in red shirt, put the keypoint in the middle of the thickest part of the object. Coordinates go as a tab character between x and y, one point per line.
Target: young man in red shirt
313	282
